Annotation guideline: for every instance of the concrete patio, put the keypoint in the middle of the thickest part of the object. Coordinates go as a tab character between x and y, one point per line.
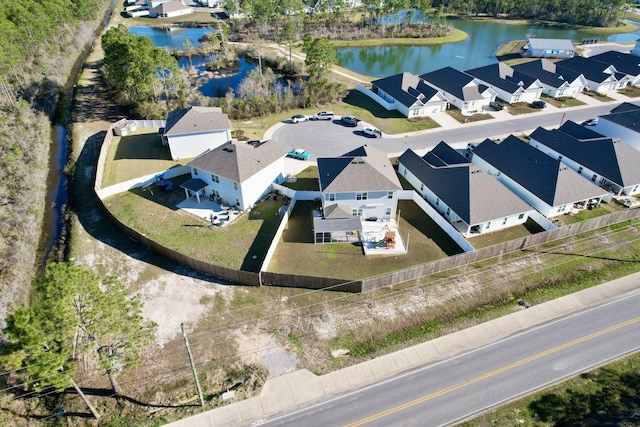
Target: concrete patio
215	213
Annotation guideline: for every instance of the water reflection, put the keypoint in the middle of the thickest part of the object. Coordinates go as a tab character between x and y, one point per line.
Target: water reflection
476	51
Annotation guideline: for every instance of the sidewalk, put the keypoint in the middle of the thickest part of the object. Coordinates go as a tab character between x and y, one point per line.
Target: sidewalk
299	388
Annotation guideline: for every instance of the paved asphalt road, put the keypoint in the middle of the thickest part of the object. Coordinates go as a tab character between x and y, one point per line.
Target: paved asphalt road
331	138
457	388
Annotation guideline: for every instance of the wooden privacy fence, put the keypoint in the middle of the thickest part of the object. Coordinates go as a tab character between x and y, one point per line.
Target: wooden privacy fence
460	260
365	285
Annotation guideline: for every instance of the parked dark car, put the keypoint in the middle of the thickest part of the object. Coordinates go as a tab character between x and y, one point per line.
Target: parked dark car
349	120
538	104
496	105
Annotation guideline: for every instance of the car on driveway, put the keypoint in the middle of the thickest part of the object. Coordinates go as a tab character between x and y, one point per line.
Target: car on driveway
496	105
300	154
372	132
540	104
298	118
323	115
590	122
349	120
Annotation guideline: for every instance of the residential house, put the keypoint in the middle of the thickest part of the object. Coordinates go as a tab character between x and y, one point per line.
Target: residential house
544	182
601	77
565	83
467	196
410	95
622	122
608	162
461	89
236	173
636	48
170	9
548	48
623	62
359	185
191	131
510	86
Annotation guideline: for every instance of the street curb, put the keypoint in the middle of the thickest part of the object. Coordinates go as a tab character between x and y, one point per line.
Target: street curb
301	387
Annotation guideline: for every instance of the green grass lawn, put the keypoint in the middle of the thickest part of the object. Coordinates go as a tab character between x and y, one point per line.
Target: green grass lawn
156	216
631	91
296	253
585	214
137	154
563	102
307	180
511	233
598	96
456	114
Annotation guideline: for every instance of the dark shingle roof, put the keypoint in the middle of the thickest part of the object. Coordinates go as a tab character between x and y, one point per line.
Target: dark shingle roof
624	62
626	115
454	82
196	120
591	69
406	88
363	169
502	76
609	157
474	195
551	181
238	161
546	71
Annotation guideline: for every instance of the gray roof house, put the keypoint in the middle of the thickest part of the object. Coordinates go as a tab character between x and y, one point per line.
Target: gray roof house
601	77
564	83
236	173
510	85
548	48
468	197
609	162
362	183
540	180
410	95
191	131
462	90
169	9
622	122
623	62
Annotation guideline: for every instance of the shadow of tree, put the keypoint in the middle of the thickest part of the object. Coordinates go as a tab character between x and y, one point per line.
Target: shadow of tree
602	399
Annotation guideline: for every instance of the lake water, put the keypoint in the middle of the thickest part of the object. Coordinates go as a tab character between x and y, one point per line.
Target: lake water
476	51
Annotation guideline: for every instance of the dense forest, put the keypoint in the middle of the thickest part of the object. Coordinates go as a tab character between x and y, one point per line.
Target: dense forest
597	13
39	42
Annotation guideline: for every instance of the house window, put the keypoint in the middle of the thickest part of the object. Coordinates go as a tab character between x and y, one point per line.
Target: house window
593	178
488	225
361	196
562	208
437	201
389	195
332	197
448	211
215	178
504	221
235	185
561	92
521	216
414	111
195	172
559	157
634	189
356	212
421	187
237	203
215	193
580	170
388	212
516	98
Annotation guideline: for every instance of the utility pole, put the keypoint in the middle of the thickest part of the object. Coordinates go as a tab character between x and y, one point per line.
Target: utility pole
193	367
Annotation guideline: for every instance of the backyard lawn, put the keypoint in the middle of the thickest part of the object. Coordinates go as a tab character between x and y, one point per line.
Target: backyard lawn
137	154
511	233
296	253
153	213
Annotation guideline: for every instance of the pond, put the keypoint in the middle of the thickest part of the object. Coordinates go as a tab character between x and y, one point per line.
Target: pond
476	51
209	85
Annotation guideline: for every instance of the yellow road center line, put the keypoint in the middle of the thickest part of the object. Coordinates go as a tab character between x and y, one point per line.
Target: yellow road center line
492	373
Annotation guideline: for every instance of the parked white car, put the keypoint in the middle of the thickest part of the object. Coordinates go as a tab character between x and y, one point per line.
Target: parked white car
299	118
323	115
371	131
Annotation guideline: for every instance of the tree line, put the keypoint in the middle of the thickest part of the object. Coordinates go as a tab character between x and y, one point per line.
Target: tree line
39	42
597	13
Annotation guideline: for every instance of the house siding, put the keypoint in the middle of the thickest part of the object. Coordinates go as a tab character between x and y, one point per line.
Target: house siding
192	145
375	205
611	129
